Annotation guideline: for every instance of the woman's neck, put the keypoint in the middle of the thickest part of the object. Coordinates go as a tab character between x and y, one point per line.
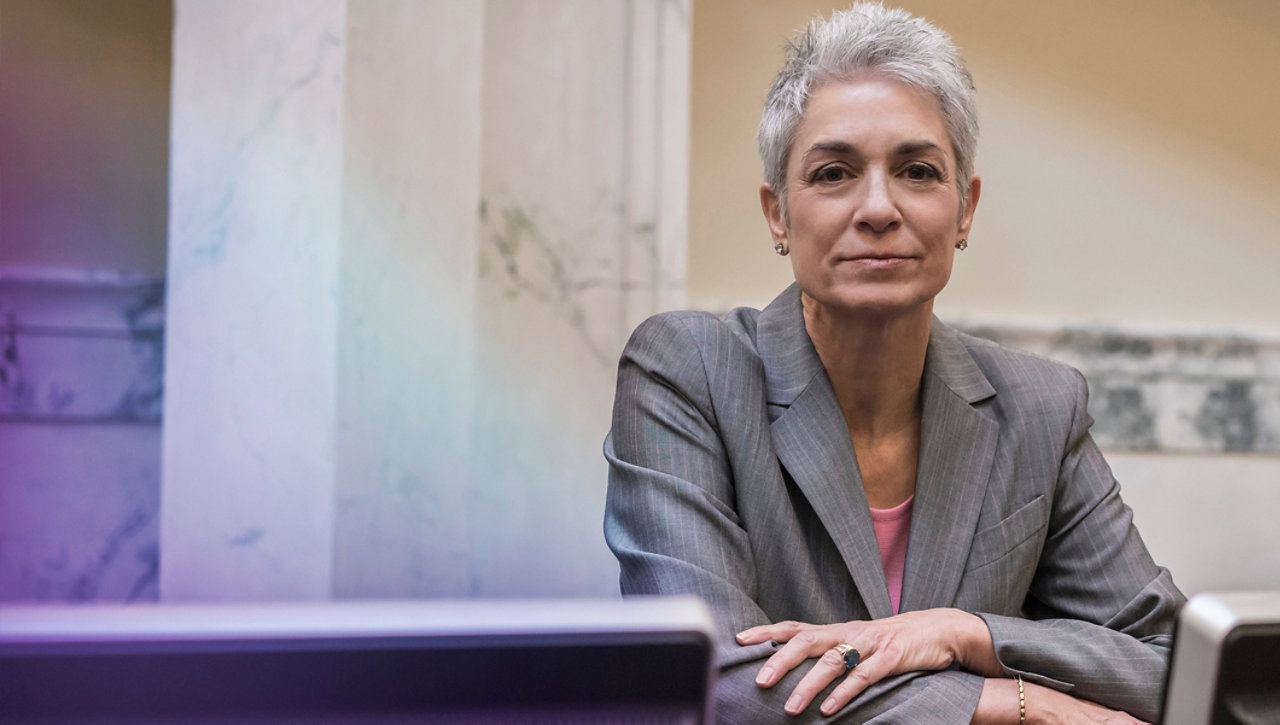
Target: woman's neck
875	364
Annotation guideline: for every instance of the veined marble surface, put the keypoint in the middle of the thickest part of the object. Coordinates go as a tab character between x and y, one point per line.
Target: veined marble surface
80	346
407	299
251	342
80	395
1165	390
582	236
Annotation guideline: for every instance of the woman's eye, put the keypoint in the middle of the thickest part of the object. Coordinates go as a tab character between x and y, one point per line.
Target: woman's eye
829	174
921	172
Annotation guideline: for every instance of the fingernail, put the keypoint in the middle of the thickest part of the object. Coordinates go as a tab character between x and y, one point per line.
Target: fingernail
793	705
829	706
741	635
765	677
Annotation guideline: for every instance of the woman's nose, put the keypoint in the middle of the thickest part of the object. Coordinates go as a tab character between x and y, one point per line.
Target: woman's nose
875	208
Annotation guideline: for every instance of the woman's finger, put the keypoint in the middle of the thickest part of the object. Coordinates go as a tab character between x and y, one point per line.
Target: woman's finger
808	643
777	632
871	670
828	667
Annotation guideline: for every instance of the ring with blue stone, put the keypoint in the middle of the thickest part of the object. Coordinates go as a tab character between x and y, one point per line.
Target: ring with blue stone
848	654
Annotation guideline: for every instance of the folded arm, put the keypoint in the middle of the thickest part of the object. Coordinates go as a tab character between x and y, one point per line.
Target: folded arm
1098	620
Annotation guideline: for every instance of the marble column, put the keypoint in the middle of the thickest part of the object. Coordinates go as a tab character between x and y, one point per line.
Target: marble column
408	285
408	240
582	237
248	474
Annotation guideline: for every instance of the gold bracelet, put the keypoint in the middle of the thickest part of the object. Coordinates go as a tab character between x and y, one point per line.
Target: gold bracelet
1022	703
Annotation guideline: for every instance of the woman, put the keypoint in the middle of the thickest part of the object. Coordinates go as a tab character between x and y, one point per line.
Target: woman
890	519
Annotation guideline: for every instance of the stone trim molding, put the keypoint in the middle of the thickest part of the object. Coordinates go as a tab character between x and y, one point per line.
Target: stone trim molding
1164	390
81	346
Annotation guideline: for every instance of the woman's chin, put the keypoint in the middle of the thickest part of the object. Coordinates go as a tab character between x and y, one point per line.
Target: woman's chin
865	305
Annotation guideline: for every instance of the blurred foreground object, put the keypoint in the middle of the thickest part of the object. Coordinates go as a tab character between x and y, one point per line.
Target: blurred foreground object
646	659
1226	660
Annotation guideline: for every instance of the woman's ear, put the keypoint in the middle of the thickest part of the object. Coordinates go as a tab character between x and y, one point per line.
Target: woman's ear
771	205
970	203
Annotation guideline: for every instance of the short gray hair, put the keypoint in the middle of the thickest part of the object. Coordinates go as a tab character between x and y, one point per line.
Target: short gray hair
868	37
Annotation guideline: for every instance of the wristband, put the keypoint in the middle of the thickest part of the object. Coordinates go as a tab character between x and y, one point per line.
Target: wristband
1022	703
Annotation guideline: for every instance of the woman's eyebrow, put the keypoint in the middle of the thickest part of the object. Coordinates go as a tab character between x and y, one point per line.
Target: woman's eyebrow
835	147
906	148
910	148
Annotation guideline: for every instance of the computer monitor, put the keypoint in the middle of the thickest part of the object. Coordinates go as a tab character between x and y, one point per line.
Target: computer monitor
641	660
1225	667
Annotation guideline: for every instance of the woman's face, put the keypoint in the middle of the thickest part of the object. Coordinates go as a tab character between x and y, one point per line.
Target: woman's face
873	205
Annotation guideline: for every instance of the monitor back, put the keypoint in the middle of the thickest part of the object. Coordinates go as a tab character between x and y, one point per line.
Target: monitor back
1225	666
638	661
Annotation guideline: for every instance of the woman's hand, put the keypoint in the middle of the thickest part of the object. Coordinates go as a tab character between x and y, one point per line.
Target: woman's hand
932	639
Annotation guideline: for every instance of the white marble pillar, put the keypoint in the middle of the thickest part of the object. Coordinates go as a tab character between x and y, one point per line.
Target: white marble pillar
411	182
252	311
322	288
408	240
583	230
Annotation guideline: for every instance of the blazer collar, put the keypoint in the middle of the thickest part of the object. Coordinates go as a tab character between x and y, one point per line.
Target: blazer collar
811	439
958	439
790	360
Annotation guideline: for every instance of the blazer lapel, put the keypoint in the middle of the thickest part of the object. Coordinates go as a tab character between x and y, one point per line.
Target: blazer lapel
957	447
811	439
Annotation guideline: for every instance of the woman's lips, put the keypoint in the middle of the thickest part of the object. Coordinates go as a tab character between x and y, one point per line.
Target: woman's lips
878	261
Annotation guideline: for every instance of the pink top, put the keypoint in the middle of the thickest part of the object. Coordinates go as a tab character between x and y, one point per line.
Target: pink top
893	528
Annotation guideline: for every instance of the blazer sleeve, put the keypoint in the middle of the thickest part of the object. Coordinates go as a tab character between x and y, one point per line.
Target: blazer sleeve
1100	613
670	519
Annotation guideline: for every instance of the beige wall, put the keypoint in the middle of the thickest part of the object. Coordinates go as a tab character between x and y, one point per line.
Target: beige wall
84	133
1129	155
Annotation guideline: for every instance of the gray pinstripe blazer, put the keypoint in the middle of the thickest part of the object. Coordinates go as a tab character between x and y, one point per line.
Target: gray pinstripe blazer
732	477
